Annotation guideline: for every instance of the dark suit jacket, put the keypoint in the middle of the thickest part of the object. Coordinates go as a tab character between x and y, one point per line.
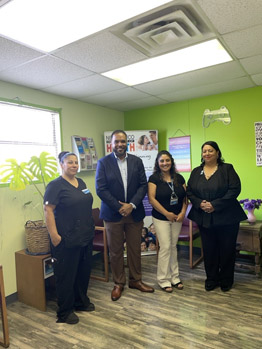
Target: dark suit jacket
222	190
110	188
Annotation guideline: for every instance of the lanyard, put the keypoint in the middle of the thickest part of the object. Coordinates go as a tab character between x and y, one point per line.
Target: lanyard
171	186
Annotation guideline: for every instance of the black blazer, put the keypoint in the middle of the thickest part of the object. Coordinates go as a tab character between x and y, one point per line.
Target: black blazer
222	190
110	188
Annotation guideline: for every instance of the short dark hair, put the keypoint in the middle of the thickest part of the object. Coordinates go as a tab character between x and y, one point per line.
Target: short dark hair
214	145
118	131
64	154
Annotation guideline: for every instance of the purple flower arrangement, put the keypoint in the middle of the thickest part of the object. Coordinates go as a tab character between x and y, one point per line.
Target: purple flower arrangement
250	204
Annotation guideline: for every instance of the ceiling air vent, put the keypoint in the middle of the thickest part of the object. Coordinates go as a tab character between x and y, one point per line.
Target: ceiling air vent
165	30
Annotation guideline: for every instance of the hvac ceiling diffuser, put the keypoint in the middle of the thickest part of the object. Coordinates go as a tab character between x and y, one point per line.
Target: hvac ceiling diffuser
165	29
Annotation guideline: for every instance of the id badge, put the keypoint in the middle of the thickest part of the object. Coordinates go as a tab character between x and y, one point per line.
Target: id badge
173	199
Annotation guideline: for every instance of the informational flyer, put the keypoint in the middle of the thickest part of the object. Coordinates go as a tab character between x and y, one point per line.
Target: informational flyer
258	135
85	149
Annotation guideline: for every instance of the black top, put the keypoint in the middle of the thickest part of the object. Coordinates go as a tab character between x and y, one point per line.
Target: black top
73	212
222	190
163	195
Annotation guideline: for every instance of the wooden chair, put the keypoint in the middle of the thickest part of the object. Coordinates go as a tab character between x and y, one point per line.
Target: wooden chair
100	244
5	340
189	232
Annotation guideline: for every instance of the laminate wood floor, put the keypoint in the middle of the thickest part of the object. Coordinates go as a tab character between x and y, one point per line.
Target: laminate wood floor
191	318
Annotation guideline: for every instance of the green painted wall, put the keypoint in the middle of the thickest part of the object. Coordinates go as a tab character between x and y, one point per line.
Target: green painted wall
77	118
175	119
236	140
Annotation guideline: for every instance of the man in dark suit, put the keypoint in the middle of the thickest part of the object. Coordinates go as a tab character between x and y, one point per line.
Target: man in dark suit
121	185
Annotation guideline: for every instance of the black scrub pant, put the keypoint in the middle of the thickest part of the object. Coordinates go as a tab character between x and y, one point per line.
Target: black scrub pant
72	269
219	246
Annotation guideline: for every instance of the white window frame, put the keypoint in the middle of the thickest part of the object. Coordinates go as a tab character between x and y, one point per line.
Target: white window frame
52	144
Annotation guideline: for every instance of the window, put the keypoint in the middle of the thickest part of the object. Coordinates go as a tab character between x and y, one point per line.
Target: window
26	131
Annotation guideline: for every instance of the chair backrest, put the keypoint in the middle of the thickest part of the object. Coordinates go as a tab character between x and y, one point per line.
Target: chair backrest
98	221
186	221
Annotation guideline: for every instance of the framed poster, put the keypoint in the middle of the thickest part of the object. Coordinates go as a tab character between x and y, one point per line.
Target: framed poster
179	148
258	135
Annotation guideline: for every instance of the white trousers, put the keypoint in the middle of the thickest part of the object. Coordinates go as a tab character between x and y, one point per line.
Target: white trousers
167	265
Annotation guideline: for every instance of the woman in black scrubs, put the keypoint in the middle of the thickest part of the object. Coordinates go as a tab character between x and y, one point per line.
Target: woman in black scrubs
213	188
68	213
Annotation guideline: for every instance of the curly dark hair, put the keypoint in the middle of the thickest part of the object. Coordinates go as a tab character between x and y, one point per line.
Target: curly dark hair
214	145
173	170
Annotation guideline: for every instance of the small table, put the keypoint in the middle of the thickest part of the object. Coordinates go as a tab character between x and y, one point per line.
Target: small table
31	273
250	239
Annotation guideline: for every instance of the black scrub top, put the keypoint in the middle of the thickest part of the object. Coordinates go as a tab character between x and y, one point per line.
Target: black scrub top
73	212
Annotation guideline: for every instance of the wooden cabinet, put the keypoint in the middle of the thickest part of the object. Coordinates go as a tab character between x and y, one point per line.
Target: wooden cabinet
249	239
31	273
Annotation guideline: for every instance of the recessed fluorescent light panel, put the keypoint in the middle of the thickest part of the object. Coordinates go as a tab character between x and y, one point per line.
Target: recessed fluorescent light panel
191	58
49	24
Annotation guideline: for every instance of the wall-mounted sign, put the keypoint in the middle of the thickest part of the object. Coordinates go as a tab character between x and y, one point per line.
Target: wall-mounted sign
179	148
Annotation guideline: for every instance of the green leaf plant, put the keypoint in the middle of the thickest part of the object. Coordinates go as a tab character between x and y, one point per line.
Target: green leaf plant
42	169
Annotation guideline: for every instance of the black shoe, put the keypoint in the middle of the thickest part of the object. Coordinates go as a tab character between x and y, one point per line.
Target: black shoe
226	288
210	286
89	307
70	319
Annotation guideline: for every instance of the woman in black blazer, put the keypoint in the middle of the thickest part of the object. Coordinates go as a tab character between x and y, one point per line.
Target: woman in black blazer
213	188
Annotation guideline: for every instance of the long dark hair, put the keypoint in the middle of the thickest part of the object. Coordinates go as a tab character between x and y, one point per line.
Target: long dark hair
172	169
214	145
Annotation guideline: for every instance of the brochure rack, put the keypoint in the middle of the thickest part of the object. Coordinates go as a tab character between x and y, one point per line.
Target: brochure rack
84	148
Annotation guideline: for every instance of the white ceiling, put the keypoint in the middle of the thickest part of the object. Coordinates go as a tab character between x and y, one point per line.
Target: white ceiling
74	70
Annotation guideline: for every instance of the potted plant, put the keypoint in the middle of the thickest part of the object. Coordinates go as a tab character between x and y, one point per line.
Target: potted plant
38	170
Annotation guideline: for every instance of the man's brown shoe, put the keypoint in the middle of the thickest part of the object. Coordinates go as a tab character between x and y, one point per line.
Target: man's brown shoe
139	285
116	292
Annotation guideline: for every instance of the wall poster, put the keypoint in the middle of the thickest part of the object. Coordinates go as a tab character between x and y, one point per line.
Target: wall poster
258	135
179	148
144	144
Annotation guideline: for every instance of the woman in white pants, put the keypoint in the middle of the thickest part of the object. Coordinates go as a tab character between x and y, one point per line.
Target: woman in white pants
167	195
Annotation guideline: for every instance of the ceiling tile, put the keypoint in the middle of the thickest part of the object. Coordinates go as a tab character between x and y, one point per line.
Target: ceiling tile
245	43
139	103
89	86
206	90
252	65
14	54
44	72
257	79
126	94
100	53
231	15
205	76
